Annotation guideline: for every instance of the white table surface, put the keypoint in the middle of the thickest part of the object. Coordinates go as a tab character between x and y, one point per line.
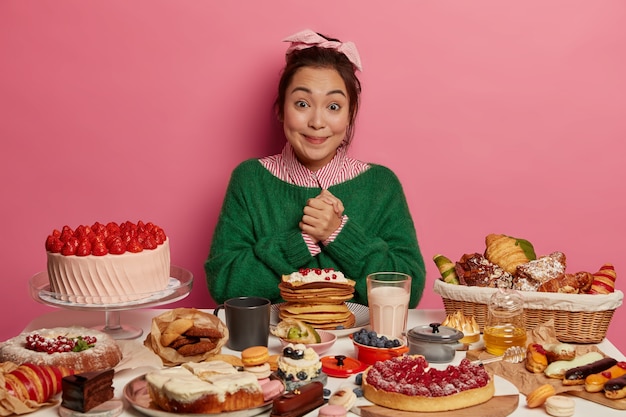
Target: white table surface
142	319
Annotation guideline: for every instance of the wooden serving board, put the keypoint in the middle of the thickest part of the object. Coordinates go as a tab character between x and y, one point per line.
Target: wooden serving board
498	406
598	397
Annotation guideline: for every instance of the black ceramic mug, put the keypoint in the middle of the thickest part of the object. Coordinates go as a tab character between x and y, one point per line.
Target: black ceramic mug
248	321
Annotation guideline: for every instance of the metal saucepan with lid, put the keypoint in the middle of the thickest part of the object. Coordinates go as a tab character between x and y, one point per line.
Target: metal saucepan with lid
437	343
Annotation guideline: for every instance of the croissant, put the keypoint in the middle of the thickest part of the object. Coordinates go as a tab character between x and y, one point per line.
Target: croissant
603	280
508	252
446	268
577	283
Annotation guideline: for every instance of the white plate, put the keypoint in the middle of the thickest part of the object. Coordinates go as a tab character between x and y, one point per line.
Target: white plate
361	316
136	392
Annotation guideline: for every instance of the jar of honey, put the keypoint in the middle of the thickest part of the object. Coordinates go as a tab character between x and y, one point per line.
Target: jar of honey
505	324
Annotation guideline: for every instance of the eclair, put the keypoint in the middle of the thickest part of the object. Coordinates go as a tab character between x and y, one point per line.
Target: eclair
559	352
615	388
299	401
576	376
595	382
536	359
557	369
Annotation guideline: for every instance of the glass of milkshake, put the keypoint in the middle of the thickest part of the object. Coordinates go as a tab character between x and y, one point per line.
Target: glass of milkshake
388	296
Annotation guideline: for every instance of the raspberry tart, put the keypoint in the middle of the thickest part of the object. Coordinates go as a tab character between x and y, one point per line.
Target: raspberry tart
407	383
108	264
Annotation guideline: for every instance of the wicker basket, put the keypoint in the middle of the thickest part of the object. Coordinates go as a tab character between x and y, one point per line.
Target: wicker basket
578	318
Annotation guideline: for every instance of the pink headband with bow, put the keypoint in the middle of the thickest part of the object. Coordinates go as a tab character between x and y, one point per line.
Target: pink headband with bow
307	39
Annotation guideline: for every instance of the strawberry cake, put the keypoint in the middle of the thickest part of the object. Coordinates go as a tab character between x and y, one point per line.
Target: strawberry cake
108	264
407	383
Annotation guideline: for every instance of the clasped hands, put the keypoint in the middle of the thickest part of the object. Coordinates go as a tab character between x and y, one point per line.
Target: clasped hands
322	216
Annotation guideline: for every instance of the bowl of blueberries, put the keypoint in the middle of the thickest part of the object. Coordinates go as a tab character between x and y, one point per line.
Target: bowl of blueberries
370	347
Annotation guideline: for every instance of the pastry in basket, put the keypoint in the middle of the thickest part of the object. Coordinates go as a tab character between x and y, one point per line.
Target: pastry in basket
474	270
408	383
604	280
508	252
446	268
577	283
532	274
186	335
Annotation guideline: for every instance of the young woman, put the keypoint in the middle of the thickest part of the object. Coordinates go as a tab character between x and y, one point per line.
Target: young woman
313	206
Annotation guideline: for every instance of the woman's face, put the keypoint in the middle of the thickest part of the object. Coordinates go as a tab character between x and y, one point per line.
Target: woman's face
316	115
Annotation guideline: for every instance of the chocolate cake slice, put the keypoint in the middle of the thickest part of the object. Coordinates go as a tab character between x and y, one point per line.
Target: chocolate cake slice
82	392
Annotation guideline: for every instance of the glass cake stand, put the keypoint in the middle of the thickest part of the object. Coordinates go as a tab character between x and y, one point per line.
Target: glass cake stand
179	286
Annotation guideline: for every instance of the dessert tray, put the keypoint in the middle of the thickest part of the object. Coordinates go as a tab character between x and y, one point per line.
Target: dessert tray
136	393
179	286
361	315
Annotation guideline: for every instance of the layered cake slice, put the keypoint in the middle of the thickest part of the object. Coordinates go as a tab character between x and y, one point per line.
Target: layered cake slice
82	392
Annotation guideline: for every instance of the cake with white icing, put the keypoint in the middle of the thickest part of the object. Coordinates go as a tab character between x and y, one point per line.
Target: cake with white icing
199	389
108	264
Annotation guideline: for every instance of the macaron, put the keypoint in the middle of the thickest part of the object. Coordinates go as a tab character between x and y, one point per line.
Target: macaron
329	410
344	397
255	355
272	388
560	406
260	371
540	395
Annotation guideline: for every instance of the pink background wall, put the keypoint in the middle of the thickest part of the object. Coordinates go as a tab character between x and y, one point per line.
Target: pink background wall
504	117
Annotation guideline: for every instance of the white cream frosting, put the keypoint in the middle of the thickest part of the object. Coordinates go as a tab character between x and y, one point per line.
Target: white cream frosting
310	363
110	278
317	275
205	369
182	384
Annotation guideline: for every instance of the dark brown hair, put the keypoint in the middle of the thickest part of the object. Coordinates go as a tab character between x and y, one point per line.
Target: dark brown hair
317	57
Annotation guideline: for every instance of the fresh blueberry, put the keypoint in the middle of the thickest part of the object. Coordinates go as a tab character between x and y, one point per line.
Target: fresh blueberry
358	391
358	379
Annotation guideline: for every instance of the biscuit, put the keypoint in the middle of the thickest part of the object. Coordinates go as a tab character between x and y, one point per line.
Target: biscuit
174	330
231	359
199	348
182	341
204	332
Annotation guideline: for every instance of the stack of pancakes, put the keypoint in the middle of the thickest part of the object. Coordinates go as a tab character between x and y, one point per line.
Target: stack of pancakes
317	297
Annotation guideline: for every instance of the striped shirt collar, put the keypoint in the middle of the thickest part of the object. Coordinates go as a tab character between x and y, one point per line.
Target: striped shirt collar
288	168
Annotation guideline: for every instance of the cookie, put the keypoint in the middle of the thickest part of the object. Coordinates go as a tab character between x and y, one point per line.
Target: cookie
182	341
196	348
204	332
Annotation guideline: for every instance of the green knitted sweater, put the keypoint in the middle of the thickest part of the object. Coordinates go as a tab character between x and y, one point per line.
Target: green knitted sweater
257	238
